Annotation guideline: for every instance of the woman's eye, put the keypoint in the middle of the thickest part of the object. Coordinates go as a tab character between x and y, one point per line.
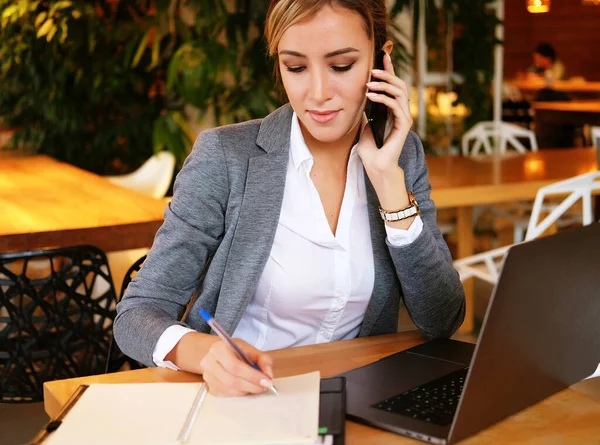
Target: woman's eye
341	69
295	69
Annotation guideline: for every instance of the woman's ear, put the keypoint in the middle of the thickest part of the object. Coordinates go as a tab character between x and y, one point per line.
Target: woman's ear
388	46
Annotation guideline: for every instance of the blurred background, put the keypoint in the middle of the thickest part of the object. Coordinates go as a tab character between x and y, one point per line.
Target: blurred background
104	84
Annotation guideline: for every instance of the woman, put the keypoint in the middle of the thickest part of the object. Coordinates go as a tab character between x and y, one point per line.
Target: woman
300	253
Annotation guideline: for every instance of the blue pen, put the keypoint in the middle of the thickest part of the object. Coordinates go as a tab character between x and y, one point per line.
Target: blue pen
228	341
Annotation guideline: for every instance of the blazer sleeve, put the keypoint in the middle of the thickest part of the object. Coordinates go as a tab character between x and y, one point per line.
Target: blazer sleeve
192	230
431	287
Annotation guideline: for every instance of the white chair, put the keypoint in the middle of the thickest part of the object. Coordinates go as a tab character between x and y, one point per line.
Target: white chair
596	137
487	265
153	178
484	134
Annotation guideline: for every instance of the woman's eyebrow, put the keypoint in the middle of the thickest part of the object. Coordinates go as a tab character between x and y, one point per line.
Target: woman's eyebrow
328	55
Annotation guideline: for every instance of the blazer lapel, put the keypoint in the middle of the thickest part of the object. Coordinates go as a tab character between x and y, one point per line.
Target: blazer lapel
258	218
386	282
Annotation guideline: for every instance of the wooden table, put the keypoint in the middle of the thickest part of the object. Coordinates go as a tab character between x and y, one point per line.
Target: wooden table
566	86
463	182
49	203
46	203
576	112
569	417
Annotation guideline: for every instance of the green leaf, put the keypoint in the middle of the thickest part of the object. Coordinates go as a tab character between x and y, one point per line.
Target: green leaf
141	48
184	126
64	31
155	52
60	5
33	6
159	134
40	18
51	33
173	69
45	28
8	12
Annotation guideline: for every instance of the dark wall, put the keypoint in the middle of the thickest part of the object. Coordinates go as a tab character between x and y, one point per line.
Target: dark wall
573	30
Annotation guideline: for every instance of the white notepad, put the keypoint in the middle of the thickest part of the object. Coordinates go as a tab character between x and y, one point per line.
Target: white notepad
154	414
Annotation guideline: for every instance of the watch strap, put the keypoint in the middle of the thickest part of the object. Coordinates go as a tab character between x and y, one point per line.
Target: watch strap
399	215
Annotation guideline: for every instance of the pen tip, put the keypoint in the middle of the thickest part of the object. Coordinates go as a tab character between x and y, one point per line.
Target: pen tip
274	390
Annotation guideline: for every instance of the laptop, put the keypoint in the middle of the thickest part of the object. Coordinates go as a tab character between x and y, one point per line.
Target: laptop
540	335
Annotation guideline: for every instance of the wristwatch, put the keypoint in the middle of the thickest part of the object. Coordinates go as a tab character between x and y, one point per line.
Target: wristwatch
399	215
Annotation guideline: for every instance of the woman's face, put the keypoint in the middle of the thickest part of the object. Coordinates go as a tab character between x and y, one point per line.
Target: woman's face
325	63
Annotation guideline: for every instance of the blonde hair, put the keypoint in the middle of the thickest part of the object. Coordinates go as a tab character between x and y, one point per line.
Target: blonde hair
282	14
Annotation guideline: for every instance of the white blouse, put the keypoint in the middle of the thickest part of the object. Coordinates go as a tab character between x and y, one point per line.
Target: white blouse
315	287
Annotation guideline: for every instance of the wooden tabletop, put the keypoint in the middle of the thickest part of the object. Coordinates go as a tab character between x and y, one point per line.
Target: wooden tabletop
581	106
569	417
47	203
567	86
459	181
575	113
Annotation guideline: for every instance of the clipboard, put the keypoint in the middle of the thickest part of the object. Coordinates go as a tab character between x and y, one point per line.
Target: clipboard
53	424
332	413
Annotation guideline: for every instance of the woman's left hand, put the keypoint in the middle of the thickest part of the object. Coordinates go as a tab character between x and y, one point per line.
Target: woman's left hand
384	161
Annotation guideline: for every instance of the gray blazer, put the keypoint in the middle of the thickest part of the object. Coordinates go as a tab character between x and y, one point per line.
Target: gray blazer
226	206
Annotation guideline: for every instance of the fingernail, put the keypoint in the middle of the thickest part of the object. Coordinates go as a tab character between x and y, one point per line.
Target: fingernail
265	383
375	71
371	94
372	84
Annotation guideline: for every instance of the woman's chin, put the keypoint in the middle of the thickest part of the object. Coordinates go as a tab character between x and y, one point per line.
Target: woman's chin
326	137
329	135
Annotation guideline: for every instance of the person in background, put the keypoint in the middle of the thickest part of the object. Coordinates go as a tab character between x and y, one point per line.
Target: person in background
545	63
314	232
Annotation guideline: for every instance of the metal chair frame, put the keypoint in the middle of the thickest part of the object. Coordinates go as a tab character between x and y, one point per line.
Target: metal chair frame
487	265
119	361
53	324
505	133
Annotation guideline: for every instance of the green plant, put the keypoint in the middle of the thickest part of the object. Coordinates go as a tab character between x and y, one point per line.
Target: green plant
474	44
214	56
474	23
103	84
67	86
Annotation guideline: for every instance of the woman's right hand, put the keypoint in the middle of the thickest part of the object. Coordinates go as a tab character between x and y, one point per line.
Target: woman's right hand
229	376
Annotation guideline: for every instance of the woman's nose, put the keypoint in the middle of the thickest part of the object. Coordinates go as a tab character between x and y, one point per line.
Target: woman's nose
320	87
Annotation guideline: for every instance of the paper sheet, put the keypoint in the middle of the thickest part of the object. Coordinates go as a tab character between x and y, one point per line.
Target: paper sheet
120	414
292	417
153	414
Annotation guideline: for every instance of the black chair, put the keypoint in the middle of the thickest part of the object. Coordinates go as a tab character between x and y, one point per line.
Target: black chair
517	112
119	361
56	312
555	135
550	95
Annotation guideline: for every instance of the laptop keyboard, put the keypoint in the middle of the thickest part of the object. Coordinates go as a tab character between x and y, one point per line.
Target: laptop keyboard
434	402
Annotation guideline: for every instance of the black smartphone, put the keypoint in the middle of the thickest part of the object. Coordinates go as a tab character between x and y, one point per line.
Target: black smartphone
377	113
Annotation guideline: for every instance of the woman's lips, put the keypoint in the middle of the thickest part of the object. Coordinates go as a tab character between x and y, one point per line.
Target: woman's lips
323	117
